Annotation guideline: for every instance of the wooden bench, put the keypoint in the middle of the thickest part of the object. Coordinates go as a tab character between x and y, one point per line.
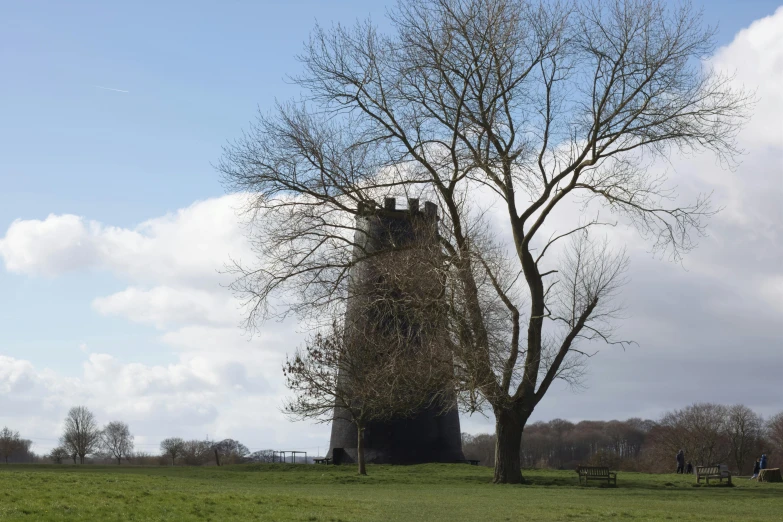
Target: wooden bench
323	460
472	462
596	473
712	472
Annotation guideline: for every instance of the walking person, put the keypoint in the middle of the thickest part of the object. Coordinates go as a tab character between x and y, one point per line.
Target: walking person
689	469
763	462
756	468
680	461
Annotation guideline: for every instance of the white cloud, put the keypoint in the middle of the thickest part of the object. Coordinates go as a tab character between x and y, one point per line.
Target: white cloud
756	57
53	246
166	306
188	247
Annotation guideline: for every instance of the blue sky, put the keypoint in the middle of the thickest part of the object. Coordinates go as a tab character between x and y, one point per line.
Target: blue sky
194	73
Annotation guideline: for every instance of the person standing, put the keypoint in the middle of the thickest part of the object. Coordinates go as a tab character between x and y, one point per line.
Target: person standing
763	462
756	468
680	461
689	468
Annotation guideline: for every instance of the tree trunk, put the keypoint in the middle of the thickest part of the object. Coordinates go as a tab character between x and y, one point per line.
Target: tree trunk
119	461
508	428
217	458
360	451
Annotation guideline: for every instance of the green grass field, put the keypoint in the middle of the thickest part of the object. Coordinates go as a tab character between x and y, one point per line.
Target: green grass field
434	492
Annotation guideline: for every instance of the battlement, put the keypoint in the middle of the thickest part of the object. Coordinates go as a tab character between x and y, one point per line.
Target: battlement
389	209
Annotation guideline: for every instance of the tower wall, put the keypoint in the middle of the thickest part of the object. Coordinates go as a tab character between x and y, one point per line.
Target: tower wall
430	435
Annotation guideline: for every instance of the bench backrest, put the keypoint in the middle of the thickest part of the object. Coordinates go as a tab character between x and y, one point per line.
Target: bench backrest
594	471
708	470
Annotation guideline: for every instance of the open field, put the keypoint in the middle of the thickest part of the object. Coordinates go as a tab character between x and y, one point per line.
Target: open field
432	492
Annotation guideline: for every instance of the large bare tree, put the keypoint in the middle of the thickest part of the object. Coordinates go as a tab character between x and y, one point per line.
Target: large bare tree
527	108
81	434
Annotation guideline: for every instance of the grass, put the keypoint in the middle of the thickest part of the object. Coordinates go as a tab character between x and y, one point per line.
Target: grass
432	492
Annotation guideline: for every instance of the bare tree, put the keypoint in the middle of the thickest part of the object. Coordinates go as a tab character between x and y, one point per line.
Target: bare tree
117	441
196	452
10	443
774	432
81	434
58	454
479	447
745	430
173	447
262	456
701	429
523	106
233	451
349	374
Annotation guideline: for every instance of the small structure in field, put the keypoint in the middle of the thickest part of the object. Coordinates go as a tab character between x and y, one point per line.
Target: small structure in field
280	456
770	475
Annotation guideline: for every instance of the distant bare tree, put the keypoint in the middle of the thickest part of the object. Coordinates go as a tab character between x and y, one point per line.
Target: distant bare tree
701	429
745	429
117	440
262	456
479	447
528	106
196	452
230	451
774	432
172	447
347	372
10	443
148	459
81	434
58	454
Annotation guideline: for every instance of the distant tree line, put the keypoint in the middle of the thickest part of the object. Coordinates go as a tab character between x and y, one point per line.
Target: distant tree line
83	440
13	448
708	433
200	452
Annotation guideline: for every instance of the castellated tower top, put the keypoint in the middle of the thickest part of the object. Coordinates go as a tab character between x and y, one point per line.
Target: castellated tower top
390	209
